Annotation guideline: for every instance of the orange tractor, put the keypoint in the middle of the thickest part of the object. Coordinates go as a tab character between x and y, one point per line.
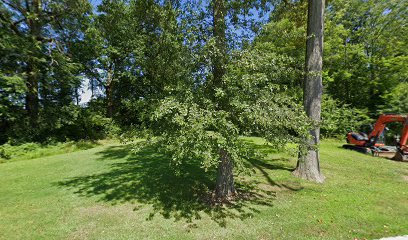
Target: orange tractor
371	143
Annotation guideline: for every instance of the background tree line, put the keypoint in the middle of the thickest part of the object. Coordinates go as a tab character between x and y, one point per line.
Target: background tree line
136	51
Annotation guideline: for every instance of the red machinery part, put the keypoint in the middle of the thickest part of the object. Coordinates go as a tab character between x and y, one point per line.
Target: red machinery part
362	141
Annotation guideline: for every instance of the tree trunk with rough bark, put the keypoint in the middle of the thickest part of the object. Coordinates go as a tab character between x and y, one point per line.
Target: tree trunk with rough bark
225	178
308	166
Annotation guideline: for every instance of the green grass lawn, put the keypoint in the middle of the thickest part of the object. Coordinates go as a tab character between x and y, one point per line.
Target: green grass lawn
108	193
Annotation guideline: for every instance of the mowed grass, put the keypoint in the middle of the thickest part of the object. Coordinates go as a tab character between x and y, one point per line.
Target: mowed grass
109	193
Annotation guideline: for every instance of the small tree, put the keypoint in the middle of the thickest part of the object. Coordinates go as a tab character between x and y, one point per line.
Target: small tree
207	110
190	126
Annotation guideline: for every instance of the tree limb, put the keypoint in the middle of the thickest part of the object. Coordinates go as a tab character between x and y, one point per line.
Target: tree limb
15	7
12	25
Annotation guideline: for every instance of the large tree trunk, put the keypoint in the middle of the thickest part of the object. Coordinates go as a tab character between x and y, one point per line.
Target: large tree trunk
308	166
225	178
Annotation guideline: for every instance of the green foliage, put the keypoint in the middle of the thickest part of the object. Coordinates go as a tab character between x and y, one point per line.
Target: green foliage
256	97
188	131
150	62
38	78
70	122
206	112
36	150
364	47
365	44
338	118
363	57
190	126
285	36
396	101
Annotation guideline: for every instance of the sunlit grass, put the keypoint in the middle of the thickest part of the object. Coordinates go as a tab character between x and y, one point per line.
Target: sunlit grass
108	193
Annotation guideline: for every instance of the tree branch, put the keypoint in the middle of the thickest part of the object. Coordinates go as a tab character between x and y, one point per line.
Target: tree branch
27	5
13	26
15	7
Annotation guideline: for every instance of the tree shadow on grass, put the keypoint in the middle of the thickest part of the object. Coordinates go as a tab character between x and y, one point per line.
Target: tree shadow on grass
274	163
146	177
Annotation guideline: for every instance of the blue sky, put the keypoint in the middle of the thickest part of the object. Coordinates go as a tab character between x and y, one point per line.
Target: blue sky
95	2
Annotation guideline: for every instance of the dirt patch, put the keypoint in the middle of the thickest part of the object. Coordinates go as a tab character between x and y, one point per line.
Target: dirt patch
92	211
405	177
270	188
280	187
83	232
92	218
106	210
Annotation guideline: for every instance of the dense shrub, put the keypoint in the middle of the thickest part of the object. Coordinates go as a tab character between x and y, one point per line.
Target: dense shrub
70	122
396	100
338	119
35	150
